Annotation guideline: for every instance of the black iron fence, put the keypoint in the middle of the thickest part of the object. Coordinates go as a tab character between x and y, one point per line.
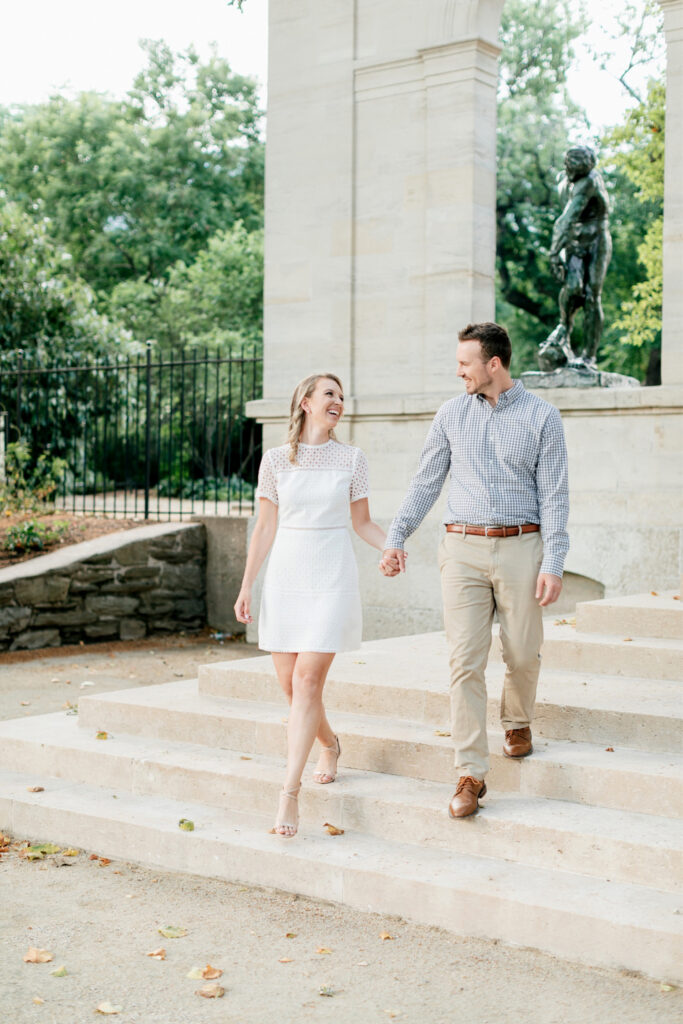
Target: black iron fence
159	437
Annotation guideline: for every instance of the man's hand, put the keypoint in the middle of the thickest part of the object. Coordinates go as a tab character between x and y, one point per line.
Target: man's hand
393	562
558	269
548	588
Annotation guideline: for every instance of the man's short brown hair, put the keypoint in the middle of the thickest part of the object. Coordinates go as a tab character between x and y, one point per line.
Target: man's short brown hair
493	338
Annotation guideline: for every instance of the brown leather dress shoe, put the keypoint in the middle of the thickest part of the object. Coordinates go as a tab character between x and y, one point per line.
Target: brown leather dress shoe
465	800
518	742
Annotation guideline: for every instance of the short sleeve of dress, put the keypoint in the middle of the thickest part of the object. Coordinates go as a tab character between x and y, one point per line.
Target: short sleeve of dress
267	481
360	478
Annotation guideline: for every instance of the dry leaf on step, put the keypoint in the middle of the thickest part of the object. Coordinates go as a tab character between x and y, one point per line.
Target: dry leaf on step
158	954
211	973
323	950
609	750
108	1008
285	960
195	974
332	830
102	735
212	991
172	931
35	789
37	956
441	732
59	972
385	935
186	825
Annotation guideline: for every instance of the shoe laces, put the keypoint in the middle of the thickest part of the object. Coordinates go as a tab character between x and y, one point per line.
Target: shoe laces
467	782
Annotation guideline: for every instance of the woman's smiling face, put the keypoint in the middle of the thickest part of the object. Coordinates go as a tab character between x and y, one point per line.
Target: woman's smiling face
325	406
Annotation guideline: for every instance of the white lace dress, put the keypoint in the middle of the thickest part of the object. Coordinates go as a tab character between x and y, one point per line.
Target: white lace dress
310	599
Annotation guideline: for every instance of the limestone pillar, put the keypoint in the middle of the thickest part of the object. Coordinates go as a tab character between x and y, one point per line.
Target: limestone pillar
672	311
380	196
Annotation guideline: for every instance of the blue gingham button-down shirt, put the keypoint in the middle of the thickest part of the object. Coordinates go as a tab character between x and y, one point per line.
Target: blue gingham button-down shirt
508	465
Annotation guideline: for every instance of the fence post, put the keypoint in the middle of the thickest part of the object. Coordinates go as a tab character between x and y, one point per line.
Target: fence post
148	427
3	444
20	367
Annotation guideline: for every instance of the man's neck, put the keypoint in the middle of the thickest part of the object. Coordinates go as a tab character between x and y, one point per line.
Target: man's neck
496	389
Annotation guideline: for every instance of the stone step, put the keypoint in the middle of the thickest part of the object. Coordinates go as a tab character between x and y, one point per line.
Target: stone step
595	921
621	846
645	714
622	778
654	615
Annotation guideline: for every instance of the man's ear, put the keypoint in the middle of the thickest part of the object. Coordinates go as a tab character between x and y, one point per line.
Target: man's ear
494	362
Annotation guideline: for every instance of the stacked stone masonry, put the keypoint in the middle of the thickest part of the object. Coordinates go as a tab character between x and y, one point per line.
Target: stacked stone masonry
154	582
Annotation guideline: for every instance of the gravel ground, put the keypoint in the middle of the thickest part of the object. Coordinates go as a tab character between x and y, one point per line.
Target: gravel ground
283	958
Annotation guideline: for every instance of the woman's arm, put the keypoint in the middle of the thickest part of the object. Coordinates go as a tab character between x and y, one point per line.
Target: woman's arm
259	546
369	531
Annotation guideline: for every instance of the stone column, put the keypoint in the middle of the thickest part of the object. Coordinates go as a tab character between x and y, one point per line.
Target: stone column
380	197
672	311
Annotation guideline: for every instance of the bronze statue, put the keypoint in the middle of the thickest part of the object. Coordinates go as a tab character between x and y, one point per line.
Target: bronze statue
579	256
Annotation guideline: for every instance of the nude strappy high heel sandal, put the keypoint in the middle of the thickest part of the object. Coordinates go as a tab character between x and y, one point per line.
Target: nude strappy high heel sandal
284	827
323	775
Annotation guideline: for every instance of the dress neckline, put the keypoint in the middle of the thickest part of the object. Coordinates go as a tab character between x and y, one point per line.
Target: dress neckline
302	444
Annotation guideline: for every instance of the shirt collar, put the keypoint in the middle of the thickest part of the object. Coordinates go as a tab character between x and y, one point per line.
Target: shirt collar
506	397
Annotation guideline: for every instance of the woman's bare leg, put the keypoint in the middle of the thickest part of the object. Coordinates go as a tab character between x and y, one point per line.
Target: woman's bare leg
306	712
284	667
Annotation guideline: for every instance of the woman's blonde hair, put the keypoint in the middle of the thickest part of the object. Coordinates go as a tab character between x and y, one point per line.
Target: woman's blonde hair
297	415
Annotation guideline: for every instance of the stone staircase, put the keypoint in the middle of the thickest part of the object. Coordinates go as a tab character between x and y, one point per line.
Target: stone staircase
576	851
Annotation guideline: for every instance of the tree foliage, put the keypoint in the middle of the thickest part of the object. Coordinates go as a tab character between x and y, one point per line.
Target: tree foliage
131	187
535	121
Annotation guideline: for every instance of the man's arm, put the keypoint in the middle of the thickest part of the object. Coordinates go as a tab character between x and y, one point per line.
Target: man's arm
584	189
552	485
425	487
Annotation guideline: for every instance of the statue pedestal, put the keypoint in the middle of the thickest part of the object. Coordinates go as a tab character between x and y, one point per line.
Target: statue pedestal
577	377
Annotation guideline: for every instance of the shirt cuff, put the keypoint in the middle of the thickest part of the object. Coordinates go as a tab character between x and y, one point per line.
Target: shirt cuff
394	539
553	564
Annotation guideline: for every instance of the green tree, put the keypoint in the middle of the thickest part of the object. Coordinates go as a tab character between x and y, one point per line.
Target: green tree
132	187
536	119
216	302
636	153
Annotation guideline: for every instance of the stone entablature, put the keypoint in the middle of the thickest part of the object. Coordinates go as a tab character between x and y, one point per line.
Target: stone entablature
119	587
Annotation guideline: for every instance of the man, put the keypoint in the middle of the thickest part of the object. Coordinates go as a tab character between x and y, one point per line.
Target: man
503	547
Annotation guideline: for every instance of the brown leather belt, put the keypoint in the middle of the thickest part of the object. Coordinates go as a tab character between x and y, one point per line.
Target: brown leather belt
493	531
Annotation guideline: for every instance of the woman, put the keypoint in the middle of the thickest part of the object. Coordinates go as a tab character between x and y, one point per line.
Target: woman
310	607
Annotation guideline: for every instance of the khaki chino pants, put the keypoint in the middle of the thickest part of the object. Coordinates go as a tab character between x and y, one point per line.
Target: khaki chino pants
480	576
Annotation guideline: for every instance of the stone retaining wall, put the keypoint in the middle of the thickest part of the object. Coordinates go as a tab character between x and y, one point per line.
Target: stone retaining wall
122	586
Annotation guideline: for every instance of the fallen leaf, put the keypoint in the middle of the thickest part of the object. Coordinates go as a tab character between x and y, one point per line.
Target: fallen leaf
667	988
441	732
102	735
86	682
323	950
243	757
195	974
186	825
360	662
108	1008
285	960
628	639
35	789
332	830
326	991
609	750
158	954
213	991
385	935
363	963
291	935
38	1000
25	703
59	972
677	597
172	931
104	861
93	856
37	956
70	852
654	593
211	973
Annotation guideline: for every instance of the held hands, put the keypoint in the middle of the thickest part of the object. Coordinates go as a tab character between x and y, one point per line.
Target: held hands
242	610
548	588
393	562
